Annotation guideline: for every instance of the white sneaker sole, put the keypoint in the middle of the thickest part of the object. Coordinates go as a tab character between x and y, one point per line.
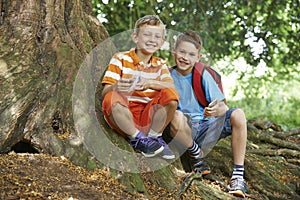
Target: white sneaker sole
168	157
154	153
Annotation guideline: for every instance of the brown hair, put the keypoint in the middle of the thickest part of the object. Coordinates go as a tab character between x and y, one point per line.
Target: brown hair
153	20
189	36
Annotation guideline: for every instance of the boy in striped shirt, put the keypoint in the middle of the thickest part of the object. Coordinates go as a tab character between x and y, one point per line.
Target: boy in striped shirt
139	96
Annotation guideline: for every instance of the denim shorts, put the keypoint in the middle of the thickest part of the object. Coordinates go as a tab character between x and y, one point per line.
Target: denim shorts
211	131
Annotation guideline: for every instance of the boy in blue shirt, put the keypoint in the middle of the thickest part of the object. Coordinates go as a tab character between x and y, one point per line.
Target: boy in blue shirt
192	120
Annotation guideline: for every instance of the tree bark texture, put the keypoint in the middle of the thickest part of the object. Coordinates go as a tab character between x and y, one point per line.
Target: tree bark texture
42	44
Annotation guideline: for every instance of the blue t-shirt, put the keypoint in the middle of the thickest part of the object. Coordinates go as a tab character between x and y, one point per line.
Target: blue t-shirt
188	103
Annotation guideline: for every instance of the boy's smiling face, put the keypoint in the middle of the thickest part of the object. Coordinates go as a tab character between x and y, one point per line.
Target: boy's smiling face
149	38
186	55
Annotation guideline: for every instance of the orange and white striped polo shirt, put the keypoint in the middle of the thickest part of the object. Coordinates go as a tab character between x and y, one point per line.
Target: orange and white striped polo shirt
128	65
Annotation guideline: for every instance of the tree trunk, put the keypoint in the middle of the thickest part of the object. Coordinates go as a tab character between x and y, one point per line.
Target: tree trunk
43	44
45	57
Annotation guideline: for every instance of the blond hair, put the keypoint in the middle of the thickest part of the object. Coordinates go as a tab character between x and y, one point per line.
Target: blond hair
153	20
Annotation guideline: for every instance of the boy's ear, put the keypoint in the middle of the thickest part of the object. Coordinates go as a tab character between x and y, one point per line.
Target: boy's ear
199	56
173	51
134	37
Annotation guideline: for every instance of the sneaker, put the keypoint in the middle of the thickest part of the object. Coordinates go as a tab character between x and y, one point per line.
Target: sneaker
167	153
238	187
201	167
147	146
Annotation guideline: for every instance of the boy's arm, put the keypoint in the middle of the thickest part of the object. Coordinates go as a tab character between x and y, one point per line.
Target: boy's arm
107	88
221	109
123	85
166	81
212	91
215	111
145	84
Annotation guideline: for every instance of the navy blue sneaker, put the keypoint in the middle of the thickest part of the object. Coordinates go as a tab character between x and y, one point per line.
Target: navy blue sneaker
167	153
238	187
200	167
147	146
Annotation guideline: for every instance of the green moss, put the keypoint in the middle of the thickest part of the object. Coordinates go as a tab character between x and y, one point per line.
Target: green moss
92	164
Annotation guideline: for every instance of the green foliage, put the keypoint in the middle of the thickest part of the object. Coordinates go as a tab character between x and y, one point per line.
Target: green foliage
264	33
259	31
283	111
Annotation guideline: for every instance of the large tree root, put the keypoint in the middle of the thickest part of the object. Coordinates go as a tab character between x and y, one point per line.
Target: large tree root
276	152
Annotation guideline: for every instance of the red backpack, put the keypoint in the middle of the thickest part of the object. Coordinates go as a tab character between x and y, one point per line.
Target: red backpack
197	82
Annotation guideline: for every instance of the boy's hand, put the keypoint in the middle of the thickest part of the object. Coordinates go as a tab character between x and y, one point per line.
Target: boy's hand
212	109
136	84
143	84
213	103
123	85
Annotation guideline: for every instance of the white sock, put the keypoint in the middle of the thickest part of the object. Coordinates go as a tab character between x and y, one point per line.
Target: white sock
134	135
154	134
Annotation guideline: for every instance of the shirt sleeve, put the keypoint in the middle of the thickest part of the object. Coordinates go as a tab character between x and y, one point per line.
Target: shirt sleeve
113	71
212	91
165	74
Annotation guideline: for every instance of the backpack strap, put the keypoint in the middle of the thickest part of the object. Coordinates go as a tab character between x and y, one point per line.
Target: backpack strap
197	83
217	77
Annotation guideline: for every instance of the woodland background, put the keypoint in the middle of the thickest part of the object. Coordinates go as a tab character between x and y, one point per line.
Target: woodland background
254	42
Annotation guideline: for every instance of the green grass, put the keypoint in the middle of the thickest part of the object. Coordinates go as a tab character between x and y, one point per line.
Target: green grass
284	111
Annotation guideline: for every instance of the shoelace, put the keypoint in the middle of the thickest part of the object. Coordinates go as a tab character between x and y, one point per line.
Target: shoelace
237	182
161	141
145	141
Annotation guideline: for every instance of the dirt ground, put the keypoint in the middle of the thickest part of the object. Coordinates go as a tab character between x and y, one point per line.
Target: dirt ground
39	176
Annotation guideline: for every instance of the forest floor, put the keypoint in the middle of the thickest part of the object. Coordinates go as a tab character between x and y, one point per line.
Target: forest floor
40	176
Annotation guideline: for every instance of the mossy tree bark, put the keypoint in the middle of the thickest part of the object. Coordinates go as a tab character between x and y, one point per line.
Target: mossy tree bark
43	44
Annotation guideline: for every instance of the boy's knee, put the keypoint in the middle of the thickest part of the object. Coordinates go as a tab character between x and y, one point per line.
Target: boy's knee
179	123
179	116
173	104
110	101
238	116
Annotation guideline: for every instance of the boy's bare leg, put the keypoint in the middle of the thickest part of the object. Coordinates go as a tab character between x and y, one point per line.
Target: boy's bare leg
239	136
239	139
180	129
181	132
163	116
122	118
160	120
